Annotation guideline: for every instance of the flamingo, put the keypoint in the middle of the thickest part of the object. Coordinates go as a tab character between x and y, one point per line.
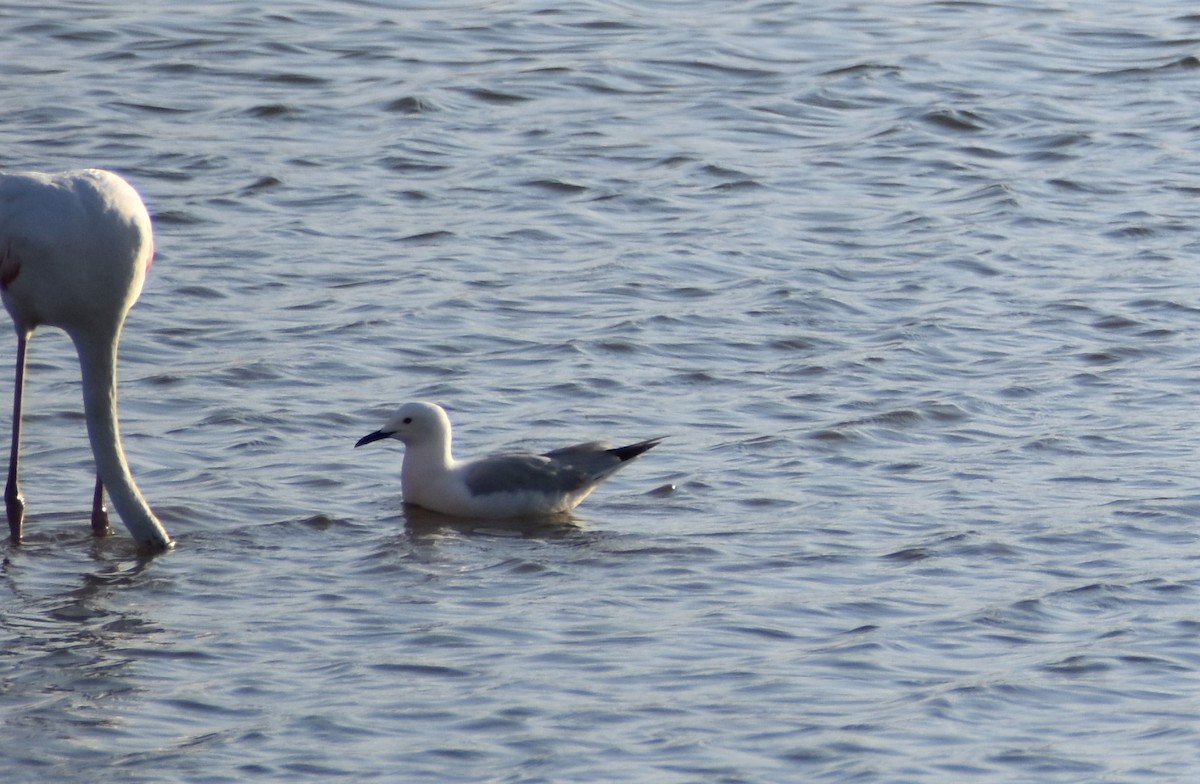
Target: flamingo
516	484
74	250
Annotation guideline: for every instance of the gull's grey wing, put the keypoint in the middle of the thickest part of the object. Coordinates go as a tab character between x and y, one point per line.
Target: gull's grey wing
559	471
522	472
601	452
578	451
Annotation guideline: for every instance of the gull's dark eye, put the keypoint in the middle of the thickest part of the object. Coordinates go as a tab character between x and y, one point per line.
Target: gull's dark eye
408	420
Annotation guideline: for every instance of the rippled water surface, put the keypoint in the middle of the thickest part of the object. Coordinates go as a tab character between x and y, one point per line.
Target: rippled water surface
914	287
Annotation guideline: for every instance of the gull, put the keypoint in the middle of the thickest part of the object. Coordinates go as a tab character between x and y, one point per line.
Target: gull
74	251
514	484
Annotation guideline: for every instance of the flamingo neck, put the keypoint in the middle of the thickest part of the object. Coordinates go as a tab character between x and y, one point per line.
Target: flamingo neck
98	366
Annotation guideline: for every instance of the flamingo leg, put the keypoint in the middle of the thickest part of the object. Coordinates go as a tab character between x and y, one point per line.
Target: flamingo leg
14	503
100	526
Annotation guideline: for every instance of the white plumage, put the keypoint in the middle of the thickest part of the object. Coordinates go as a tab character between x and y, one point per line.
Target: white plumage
503	485
74	250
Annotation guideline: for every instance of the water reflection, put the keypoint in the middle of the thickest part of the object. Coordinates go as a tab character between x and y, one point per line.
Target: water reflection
68	674
423	524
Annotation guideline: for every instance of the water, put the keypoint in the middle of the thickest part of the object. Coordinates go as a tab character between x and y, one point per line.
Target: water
911	286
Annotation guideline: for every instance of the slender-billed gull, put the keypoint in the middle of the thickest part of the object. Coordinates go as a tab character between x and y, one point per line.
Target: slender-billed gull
504	485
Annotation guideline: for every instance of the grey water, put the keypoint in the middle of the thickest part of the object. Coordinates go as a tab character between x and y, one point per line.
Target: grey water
913	287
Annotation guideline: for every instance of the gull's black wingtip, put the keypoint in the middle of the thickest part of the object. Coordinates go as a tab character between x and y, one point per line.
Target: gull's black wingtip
624	453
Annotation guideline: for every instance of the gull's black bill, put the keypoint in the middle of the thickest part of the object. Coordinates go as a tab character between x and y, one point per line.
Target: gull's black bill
378	435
